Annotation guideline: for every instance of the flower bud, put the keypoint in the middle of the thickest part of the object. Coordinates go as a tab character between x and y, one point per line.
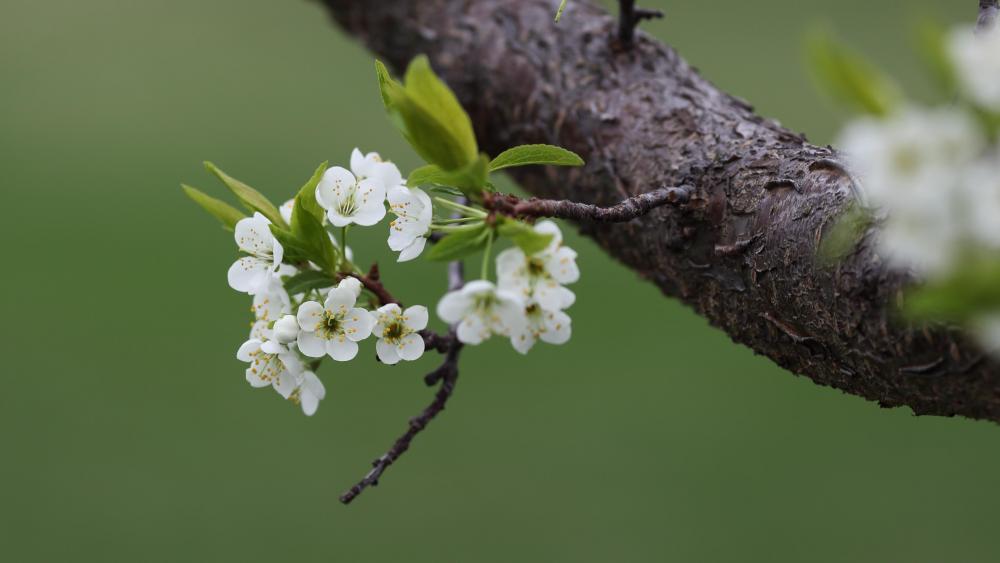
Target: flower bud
354	284
286	329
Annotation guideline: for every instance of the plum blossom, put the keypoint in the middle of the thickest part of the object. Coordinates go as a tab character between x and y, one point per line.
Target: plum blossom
481	310
398	332
271	363
539	277
335	327
976	57
408	231
308	392
252	273
358	195
286	210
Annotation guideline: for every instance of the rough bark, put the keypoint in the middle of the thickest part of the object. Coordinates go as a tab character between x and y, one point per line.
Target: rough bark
742	252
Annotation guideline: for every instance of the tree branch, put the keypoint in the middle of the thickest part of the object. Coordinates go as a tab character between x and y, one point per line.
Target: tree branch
627	210
742	252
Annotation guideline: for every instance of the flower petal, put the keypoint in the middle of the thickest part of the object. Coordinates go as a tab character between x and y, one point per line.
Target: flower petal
311	345
253	235
522	340
248	349
340	299
558	327
415	317
561	265
413	250
453	306
358	324
386	352
472	330
310	316
248	274
336	184
411	347
341	349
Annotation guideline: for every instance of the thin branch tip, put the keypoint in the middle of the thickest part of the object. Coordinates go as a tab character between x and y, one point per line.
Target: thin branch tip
629	17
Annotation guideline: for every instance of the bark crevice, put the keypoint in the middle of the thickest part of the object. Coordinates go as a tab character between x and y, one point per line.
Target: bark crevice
742	252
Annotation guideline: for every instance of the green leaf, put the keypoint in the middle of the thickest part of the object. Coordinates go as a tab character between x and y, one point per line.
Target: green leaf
524	155
524	236
307	195
217	208
849	78
470	179
307	281
314	239
845	233
429	116
251	198
295	250
963	296
559	12
460	243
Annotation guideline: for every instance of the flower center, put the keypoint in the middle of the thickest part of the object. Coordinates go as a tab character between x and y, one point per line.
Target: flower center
349	205
394	331
535	267
331	325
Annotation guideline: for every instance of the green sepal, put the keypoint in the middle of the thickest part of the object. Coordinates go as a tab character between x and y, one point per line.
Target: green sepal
225	213
524	155
251	198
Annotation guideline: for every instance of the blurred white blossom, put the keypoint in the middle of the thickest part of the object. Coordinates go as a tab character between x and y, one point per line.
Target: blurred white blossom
976	57
481	310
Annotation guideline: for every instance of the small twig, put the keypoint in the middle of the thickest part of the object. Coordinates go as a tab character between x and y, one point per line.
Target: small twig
446	373
449	375
989	10
564	209
373	283
629	18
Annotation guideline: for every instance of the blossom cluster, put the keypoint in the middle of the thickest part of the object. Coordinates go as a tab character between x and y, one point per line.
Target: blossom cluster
293	331
934	172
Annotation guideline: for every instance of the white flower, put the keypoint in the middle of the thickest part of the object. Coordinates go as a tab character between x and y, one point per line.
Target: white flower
336	327
911	165
271	364
357	197
286	329
308	392
271	301
398	332
353	284
539	277
408	232
252	273
551	326
481	310
976	57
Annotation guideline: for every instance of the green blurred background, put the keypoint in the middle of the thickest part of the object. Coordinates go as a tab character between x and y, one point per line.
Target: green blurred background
129	434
